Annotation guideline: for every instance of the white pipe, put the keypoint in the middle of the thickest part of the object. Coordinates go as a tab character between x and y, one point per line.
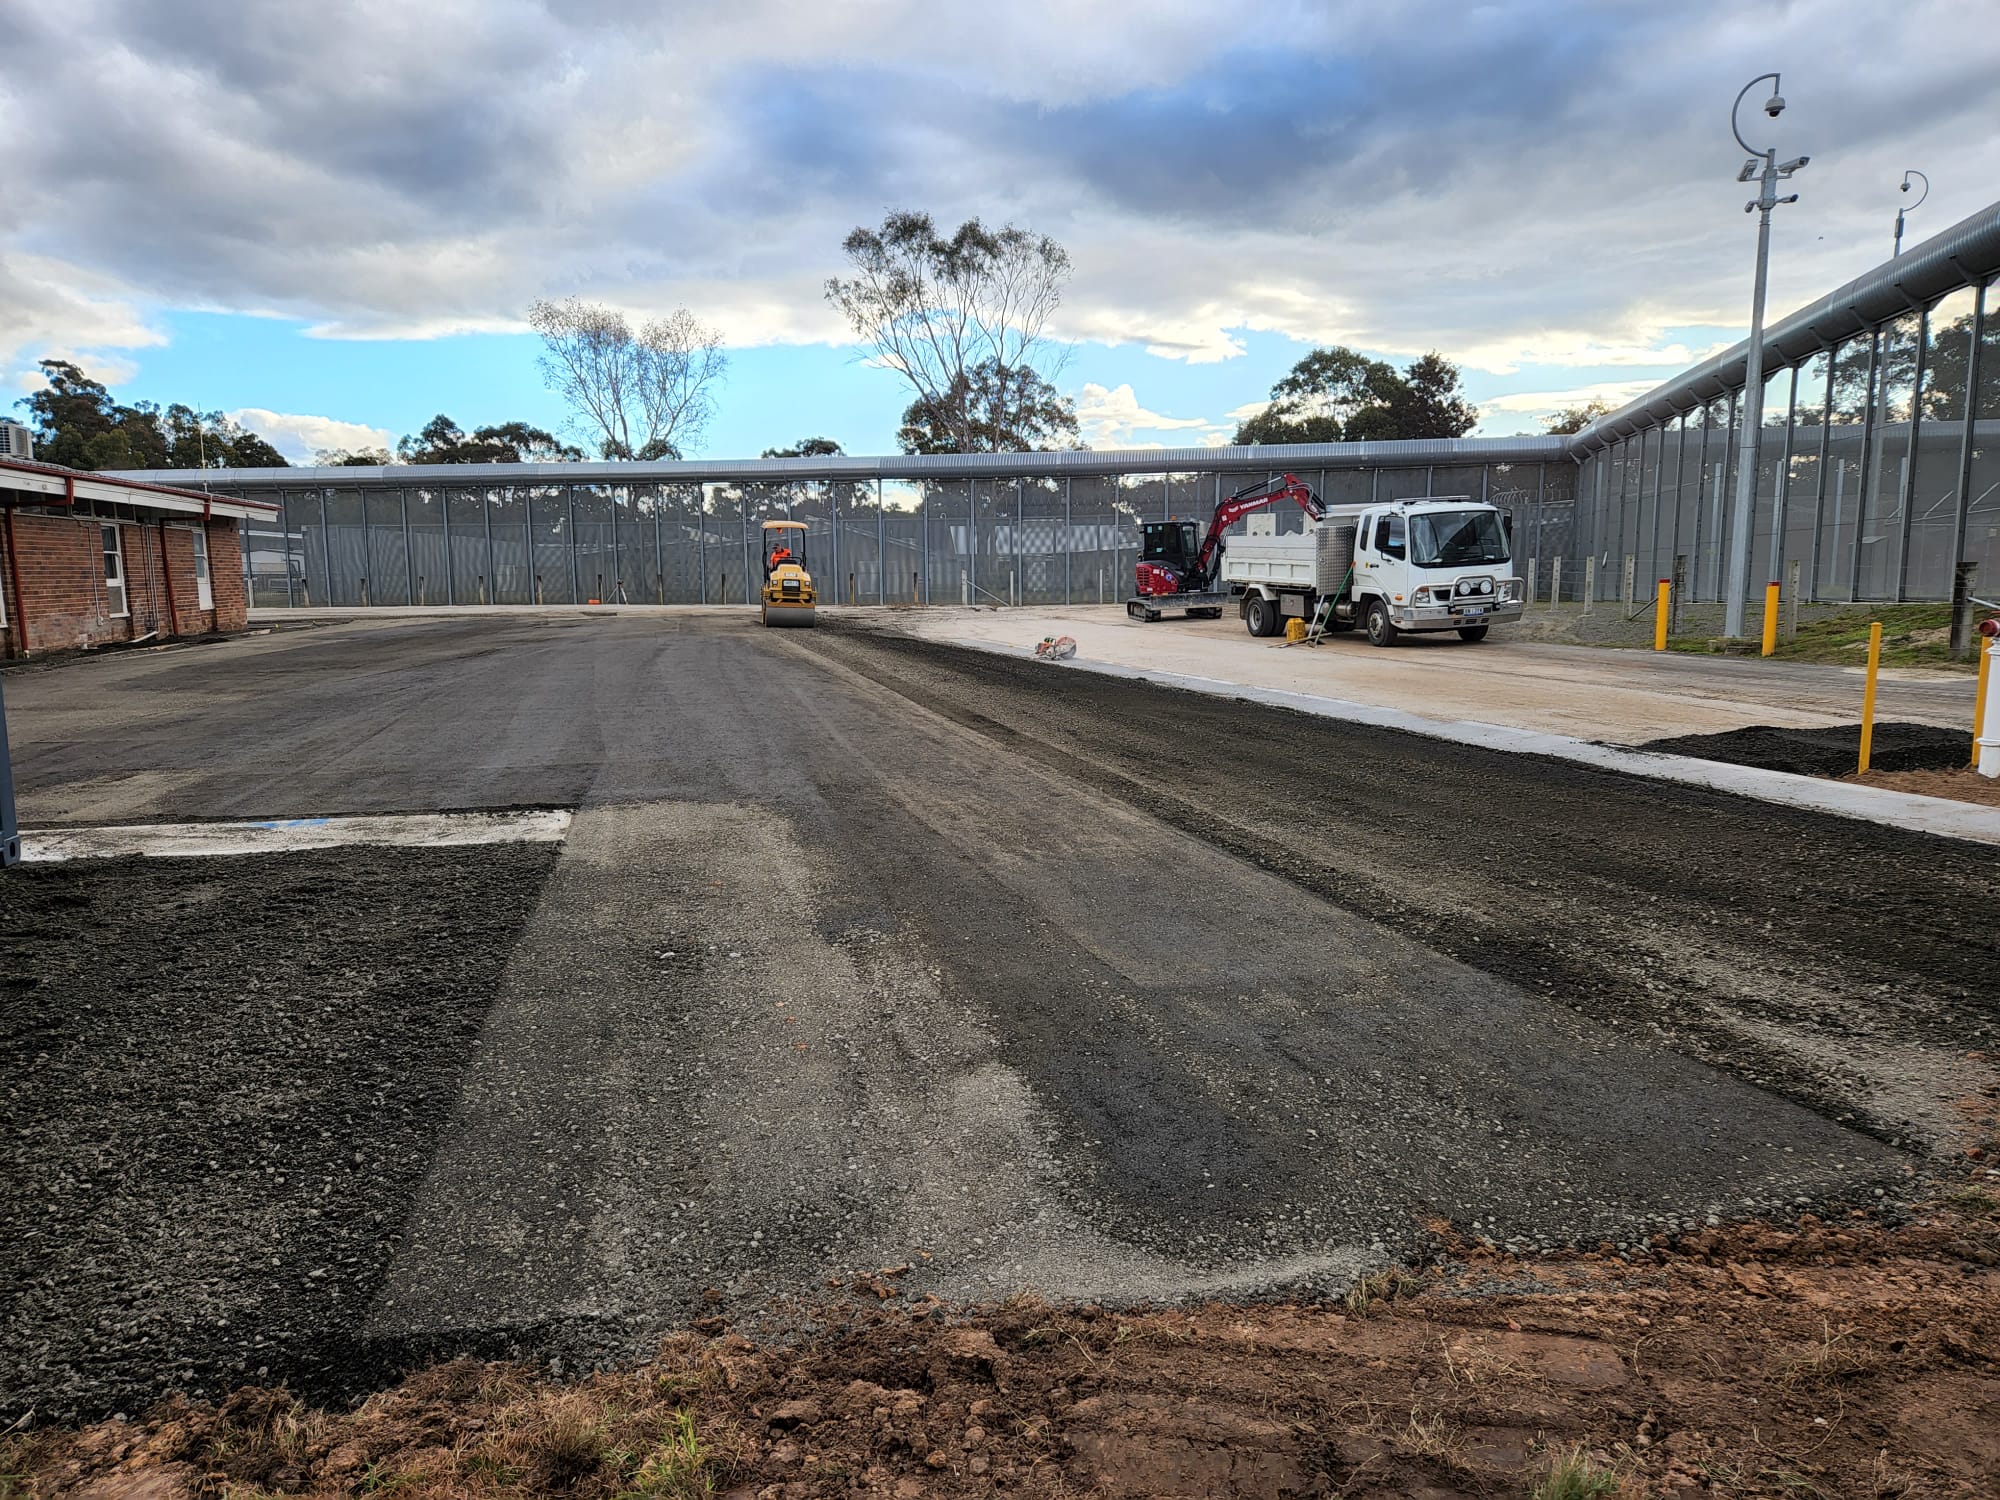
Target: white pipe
1989	722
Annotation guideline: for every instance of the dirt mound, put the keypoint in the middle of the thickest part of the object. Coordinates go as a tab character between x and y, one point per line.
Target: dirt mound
1837	1358
1825	752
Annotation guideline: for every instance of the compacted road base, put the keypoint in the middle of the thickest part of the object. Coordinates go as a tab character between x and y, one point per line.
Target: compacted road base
866	953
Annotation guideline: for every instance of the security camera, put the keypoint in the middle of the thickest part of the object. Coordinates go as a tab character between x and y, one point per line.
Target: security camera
1795	164
1775	105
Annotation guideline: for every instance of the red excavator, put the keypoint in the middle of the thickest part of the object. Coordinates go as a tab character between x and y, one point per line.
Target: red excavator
1176	573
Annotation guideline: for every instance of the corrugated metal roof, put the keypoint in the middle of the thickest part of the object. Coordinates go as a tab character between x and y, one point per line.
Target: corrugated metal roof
1078	464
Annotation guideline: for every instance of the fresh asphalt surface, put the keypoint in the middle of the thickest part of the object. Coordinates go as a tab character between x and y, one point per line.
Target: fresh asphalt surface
865	952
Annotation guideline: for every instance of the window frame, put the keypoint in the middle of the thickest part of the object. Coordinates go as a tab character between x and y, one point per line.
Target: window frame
111	549
204	584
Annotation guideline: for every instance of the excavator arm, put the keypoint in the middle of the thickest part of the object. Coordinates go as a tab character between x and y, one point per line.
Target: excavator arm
1250	498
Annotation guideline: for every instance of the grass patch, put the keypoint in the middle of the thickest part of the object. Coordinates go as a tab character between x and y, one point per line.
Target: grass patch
1575	1475
680	1468
1913	635
1381	1286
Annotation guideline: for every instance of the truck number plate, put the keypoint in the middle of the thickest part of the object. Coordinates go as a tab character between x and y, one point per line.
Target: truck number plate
1473	609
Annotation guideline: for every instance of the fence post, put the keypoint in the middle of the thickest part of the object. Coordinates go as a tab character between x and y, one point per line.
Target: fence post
964	586
1961	610
444	518
1680	590
364	591
1532	596
1555	581
1589	581
916	594
1631	581
1792	600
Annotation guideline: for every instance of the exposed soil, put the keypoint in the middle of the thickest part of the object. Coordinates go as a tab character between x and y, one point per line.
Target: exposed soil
1831	751
224	1079
1830	1360
1963	784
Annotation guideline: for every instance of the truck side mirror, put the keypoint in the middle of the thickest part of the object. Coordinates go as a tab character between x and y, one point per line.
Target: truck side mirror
1507	523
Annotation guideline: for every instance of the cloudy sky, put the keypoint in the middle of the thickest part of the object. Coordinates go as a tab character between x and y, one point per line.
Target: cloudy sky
329	218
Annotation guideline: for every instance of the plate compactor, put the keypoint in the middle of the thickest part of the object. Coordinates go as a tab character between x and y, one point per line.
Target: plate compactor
789	598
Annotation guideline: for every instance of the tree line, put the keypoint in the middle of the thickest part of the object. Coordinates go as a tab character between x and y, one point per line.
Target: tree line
963	318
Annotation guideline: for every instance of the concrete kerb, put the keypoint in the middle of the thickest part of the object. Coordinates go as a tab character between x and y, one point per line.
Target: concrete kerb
1906	810
289	835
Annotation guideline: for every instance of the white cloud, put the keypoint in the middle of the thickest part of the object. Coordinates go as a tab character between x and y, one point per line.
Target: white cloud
1613	393
52	309
299	436
384	171
1109	417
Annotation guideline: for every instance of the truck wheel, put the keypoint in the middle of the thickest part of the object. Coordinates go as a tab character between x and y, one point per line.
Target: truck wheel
1381	631
1473	632
1262	616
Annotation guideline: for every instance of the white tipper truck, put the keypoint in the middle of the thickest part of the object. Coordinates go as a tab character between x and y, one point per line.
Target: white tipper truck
1440	563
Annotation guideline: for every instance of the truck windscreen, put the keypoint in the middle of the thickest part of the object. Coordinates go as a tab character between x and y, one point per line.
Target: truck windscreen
1457	539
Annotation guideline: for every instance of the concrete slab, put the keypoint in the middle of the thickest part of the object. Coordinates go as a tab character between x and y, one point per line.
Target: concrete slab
1588	693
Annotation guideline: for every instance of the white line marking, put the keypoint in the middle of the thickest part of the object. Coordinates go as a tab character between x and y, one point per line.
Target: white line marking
287	835
1869	804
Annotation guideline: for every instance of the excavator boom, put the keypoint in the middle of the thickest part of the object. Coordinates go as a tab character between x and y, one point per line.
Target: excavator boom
1235	507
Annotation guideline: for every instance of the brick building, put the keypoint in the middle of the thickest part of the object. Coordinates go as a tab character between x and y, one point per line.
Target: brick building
86	559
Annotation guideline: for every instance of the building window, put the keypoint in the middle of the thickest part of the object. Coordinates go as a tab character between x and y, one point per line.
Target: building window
204	592
114	573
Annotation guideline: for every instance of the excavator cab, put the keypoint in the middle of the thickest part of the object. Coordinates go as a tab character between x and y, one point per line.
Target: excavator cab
1171	542
1169	555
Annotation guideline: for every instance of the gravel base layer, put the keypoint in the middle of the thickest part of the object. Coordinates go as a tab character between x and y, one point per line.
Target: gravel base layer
1825	752
865	953
225	1078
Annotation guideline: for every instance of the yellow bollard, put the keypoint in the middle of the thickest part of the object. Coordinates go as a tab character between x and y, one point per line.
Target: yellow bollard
1979	696
1662	609
1770	618
1868	696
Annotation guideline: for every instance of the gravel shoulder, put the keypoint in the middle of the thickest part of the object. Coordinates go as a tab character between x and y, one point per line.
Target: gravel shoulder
225	1079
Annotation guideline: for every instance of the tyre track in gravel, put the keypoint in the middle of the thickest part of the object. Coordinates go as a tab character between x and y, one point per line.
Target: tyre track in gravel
1838	963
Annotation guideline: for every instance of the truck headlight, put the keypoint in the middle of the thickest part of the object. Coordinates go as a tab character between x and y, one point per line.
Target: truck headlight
1421	596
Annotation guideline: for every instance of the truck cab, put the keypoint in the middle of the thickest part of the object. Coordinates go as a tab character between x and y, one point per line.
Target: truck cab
1425	565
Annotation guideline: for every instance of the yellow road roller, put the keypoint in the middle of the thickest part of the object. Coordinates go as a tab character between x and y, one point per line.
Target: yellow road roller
789	597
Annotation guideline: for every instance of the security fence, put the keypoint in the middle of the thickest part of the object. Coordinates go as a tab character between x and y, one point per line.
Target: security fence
1878	478
427	537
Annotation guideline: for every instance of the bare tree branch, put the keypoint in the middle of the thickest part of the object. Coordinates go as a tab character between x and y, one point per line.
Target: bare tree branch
644	396
941	311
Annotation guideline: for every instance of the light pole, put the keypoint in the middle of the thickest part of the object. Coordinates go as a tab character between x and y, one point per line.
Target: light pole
1764	169
1918	204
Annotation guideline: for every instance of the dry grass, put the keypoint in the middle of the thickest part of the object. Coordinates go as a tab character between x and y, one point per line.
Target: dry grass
1574	1475
1434	1438
1833	1357
1381	1286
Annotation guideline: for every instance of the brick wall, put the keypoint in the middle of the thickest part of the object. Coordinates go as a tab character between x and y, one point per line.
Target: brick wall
59	561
